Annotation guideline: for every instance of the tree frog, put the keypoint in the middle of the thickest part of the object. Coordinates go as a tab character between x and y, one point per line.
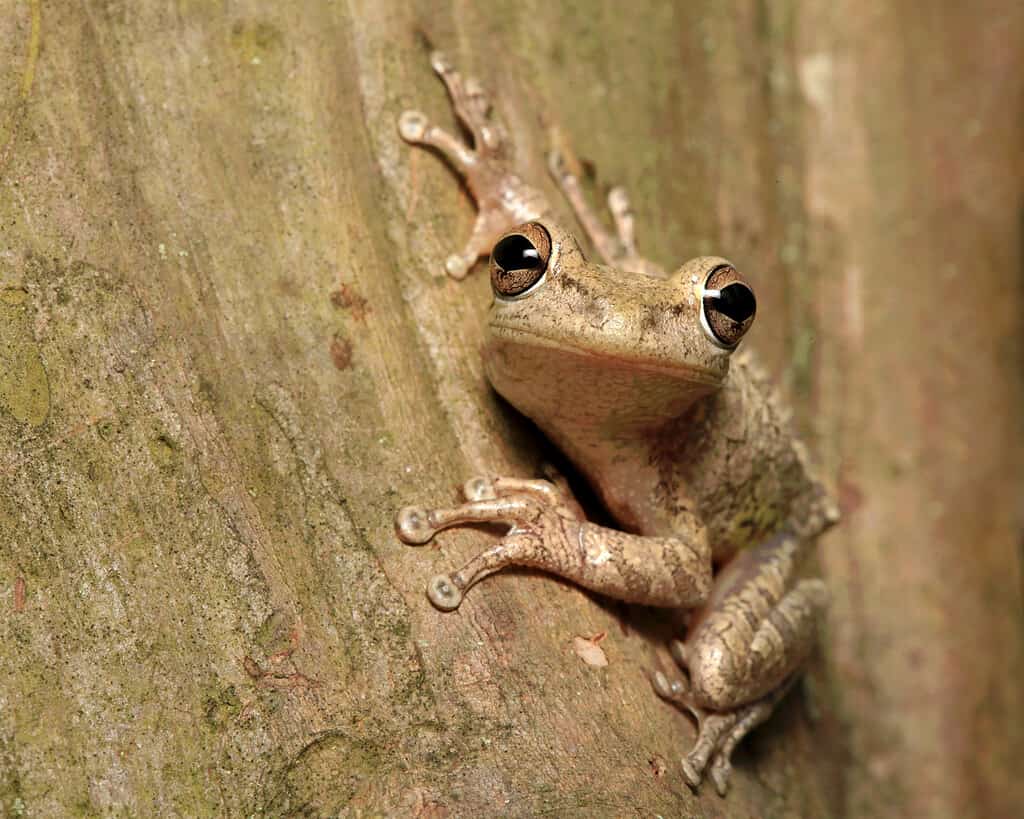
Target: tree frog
633	372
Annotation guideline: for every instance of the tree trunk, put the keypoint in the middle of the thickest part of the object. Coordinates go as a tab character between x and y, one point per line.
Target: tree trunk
228	354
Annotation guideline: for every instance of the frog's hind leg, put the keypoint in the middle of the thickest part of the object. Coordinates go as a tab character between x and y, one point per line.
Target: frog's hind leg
742	656
619	250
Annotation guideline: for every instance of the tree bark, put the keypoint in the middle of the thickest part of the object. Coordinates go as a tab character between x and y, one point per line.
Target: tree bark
228	354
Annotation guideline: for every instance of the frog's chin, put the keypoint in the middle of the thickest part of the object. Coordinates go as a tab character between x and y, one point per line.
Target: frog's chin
530	350
565	388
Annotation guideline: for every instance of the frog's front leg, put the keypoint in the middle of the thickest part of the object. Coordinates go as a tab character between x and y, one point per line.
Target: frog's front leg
547	531
503	199
743	652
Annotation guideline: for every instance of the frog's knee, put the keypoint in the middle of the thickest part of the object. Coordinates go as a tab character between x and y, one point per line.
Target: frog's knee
714	675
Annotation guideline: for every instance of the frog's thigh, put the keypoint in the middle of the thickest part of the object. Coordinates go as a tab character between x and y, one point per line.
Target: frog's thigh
758	633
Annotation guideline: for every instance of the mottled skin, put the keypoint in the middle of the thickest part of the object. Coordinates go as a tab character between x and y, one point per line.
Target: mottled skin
682	439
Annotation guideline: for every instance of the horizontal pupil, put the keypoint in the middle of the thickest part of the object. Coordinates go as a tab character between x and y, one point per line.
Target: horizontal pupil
736	302
516	252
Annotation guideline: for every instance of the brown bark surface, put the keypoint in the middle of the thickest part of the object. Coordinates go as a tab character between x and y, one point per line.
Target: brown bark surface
228	354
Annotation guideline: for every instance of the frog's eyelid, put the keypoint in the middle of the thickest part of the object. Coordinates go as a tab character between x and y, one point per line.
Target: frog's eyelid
710	334
525	293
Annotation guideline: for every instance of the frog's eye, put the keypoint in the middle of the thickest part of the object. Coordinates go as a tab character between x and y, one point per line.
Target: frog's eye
728	307
520	260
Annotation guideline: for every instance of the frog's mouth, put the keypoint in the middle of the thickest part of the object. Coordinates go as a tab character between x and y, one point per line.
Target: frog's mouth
568	389
624	360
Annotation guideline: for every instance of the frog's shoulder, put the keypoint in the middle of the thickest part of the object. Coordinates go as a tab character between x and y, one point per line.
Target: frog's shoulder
750	399
743	466
758	404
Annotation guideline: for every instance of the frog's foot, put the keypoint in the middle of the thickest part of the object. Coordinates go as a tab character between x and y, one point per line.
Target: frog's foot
718	733
745	652
541	516
619	250
503	199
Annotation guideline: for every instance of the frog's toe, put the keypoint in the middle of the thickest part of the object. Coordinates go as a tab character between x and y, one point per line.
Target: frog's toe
677	648
457	266
662	687
440	63
721	768
412	525
618	200
692	774
622	213
443	593
671	690
491	137
478	489
556	164
412	126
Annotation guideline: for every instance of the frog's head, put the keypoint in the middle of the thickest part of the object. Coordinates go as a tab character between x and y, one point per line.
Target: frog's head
609	347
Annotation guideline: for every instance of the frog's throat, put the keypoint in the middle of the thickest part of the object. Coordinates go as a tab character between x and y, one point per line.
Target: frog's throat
626	359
